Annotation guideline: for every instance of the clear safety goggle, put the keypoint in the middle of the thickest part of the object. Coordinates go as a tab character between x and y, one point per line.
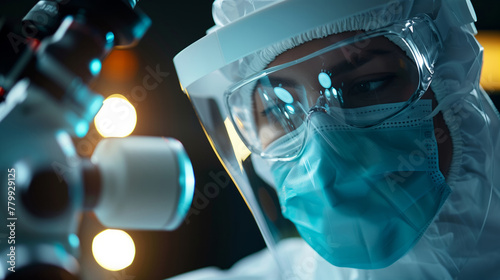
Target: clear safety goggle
391	65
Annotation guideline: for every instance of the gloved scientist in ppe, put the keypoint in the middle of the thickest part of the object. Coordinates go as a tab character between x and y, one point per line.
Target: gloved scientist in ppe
357	133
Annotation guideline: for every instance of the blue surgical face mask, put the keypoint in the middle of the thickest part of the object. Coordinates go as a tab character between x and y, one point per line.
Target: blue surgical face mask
363	197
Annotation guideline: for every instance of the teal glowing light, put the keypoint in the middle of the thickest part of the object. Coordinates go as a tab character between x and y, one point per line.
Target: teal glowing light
132	3
95	66
60	251
328	93
23	173
334	92
283	94
140	28
186	181
89	101
95	104
81	129
263	93
290	108
110	37
73	240
79	125
65	143
324	80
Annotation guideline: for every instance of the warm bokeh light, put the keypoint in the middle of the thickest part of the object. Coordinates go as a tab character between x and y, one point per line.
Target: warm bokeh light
240	149
120	66
117	117
490	76
113	249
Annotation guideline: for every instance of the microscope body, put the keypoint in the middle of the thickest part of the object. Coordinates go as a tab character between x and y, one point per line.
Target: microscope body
45	101
42	190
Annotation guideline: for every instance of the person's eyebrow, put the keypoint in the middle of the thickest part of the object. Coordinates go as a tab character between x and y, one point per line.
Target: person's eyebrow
283	81
343	67
365	57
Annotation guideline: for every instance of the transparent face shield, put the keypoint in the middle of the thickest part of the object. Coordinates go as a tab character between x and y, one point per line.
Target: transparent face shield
265	125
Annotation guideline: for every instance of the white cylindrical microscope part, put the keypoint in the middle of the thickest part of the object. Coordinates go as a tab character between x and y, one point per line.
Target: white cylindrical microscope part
146	182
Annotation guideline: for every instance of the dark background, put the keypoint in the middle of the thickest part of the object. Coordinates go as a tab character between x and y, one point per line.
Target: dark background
223	231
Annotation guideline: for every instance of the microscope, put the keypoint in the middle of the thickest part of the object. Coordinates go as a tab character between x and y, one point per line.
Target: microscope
47	62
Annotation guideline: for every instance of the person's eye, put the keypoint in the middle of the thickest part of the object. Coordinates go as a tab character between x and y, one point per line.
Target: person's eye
372	85
285	116
272	114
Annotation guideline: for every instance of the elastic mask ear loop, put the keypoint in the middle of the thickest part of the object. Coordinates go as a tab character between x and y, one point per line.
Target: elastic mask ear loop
444	103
